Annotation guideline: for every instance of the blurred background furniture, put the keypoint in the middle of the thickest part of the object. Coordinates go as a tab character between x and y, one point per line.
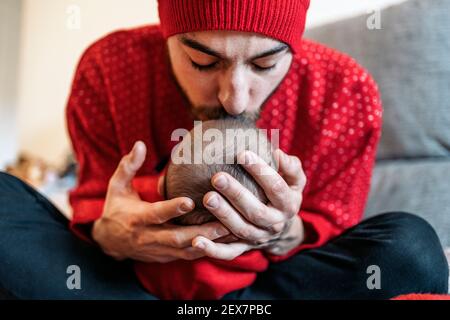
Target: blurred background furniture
409	58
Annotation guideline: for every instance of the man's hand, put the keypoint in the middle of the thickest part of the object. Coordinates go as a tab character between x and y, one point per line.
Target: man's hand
276	227
132	228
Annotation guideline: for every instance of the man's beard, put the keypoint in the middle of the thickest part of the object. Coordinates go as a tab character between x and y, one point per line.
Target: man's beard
204	113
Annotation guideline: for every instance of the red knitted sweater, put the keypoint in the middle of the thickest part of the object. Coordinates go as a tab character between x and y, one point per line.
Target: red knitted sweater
327	108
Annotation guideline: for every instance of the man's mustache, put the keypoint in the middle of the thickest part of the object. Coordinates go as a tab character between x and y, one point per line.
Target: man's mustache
218	112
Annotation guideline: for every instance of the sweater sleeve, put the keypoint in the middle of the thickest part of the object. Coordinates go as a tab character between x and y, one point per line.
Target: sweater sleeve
95	144
340	171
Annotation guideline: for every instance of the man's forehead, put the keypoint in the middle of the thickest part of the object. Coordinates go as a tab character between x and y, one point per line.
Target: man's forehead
232	44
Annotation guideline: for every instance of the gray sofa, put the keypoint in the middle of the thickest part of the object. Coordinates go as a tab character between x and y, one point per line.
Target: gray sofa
409	57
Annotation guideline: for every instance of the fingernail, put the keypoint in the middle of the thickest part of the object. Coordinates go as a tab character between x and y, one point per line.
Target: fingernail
213	202
185	207
138	145
200	245
220	182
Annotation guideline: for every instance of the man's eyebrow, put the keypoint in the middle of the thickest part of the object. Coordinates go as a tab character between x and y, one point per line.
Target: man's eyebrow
201	47
270	52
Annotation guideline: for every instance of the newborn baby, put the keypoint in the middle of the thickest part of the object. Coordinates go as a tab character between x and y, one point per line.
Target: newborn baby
193	179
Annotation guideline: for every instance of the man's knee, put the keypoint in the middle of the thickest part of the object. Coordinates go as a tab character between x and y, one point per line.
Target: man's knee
18	200
415	248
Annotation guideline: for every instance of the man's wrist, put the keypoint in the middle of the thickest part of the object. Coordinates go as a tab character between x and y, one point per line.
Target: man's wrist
291	237
94	230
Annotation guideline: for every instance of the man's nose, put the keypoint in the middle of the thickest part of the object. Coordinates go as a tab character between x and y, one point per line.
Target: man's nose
234	92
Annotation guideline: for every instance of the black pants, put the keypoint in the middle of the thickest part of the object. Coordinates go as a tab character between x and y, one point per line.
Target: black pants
390	254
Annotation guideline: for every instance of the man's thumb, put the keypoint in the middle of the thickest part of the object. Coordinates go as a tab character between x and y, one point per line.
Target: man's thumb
128	167
137	156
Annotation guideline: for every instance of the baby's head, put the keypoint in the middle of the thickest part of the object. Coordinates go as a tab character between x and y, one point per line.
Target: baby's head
193	179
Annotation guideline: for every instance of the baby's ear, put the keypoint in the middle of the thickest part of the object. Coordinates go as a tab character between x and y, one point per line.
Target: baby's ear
161	181
161	186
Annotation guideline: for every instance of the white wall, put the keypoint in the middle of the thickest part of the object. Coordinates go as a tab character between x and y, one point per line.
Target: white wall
326	11
9	49
50	51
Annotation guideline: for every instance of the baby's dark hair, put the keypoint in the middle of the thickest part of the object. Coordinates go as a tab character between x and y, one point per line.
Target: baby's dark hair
193	180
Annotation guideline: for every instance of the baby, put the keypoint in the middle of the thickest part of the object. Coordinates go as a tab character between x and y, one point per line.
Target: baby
204	152
193	179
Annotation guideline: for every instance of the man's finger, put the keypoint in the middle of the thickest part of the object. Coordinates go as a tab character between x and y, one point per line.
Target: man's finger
274	185
167	254
161	211
182	236
246	202
126	170
220	250
290	168
189	253
230	218
227	239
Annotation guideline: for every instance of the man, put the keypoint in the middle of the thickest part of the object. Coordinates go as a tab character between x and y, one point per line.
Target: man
133	88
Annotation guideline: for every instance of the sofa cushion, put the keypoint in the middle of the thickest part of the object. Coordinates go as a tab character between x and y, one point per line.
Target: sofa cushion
410	59
418	187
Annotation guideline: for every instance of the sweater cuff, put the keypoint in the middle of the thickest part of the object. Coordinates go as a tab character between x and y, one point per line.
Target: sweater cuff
83	231
87	212
317	231
147	187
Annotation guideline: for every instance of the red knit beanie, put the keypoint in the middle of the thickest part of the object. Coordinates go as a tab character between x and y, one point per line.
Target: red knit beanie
283	20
